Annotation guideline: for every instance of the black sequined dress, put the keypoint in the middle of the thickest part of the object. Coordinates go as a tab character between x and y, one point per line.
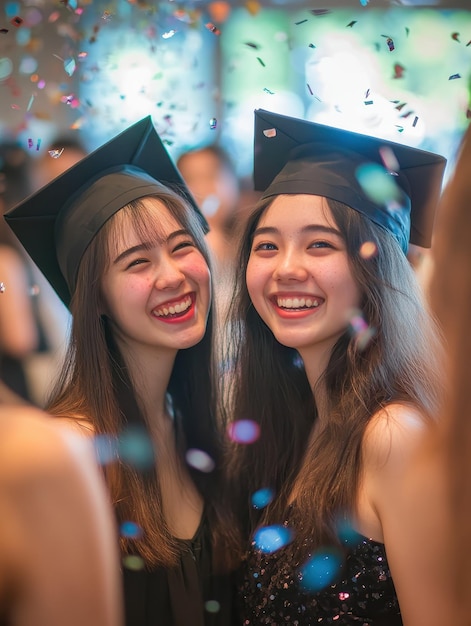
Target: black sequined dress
271	590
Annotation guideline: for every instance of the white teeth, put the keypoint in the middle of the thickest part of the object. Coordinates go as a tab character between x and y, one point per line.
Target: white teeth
297	303
180	307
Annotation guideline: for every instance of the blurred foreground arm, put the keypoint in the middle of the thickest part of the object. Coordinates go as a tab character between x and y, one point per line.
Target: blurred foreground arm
58	549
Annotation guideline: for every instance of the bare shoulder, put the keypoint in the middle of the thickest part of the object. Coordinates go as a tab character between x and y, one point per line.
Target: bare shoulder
33	444
393	435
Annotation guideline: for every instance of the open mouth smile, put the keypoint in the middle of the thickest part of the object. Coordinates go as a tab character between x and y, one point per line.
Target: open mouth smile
174	309
297	304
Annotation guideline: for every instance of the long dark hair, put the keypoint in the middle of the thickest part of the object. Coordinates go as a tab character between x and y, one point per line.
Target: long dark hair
95	385
269	386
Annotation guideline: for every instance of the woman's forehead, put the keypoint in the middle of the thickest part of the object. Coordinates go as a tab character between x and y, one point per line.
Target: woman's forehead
151	220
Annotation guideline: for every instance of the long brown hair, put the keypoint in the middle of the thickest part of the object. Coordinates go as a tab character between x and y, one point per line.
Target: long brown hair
95	385
270	387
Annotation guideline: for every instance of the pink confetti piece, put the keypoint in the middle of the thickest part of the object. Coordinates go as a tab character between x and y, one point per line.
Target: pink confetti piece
270	132
214	29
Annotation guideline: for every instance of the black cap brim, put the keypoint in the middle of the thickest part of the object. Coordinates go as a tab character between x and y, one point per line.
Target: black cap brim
34	220
277	136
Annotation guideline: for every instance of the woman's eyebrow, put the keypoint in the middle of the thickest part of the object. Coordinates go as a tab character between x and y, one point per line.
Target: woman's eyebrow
309	228
147	245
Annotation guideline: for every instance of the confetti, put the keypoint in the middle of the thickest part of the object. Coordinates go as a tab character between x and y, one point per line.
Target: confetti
262	498
352	23
30	103
454	76
361	331
214	29
311	45
266	90
135	448
320	570
390	43
243	431
2	288
270	132
30	143
455	37
369	101
133	562
3	31
310	90
169	34
130	530
301	22
255	46
56	152
200	460
319	12
389	159
368	250
377	183
212	606
213	123
414	123
398	70
252	6
16	21
260	61
269	539
70	66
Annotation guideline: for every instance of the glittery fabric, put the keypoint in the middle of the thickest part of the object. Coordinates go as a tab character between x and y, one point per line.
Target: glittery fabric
270	590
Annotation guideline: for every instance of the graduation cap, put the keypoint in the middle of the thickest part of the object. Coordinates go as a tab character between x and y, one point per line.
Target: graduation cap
57	223
394	185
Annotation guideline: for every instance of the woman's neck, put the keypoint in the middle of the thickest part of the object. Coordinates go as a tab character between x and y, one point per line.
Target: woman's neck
150	373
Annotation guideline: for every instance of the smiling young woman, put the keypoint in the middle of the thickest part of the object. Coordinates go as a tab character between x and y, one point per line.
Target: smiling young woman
127	254
337	362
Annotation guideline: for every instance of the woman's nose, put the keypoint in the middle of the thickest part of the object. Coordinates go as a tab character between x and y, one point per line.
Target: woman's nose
169	275
290	267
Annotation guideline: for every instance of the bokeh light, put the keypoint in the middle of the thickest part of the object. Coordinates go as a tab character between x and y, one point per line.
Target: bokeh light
269	539
243	431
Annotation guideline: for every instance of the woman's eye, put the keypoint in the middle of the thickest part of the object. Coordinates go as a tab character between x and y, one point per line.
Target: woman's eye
184	244
321	244
135	262
264	246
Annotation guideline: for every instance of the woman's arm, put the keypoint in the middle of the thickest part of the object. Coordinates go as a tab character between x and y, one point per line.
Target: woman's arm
65	562
18	329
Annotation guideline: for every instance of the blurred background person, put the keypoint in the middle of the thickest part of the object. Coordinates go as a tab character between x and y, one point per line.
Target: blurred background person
20	334
42	366
212	180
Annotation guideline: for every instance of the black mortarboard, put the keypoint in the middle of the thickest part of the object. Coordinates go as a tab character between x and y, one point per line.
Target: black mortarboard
294	156
57	223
